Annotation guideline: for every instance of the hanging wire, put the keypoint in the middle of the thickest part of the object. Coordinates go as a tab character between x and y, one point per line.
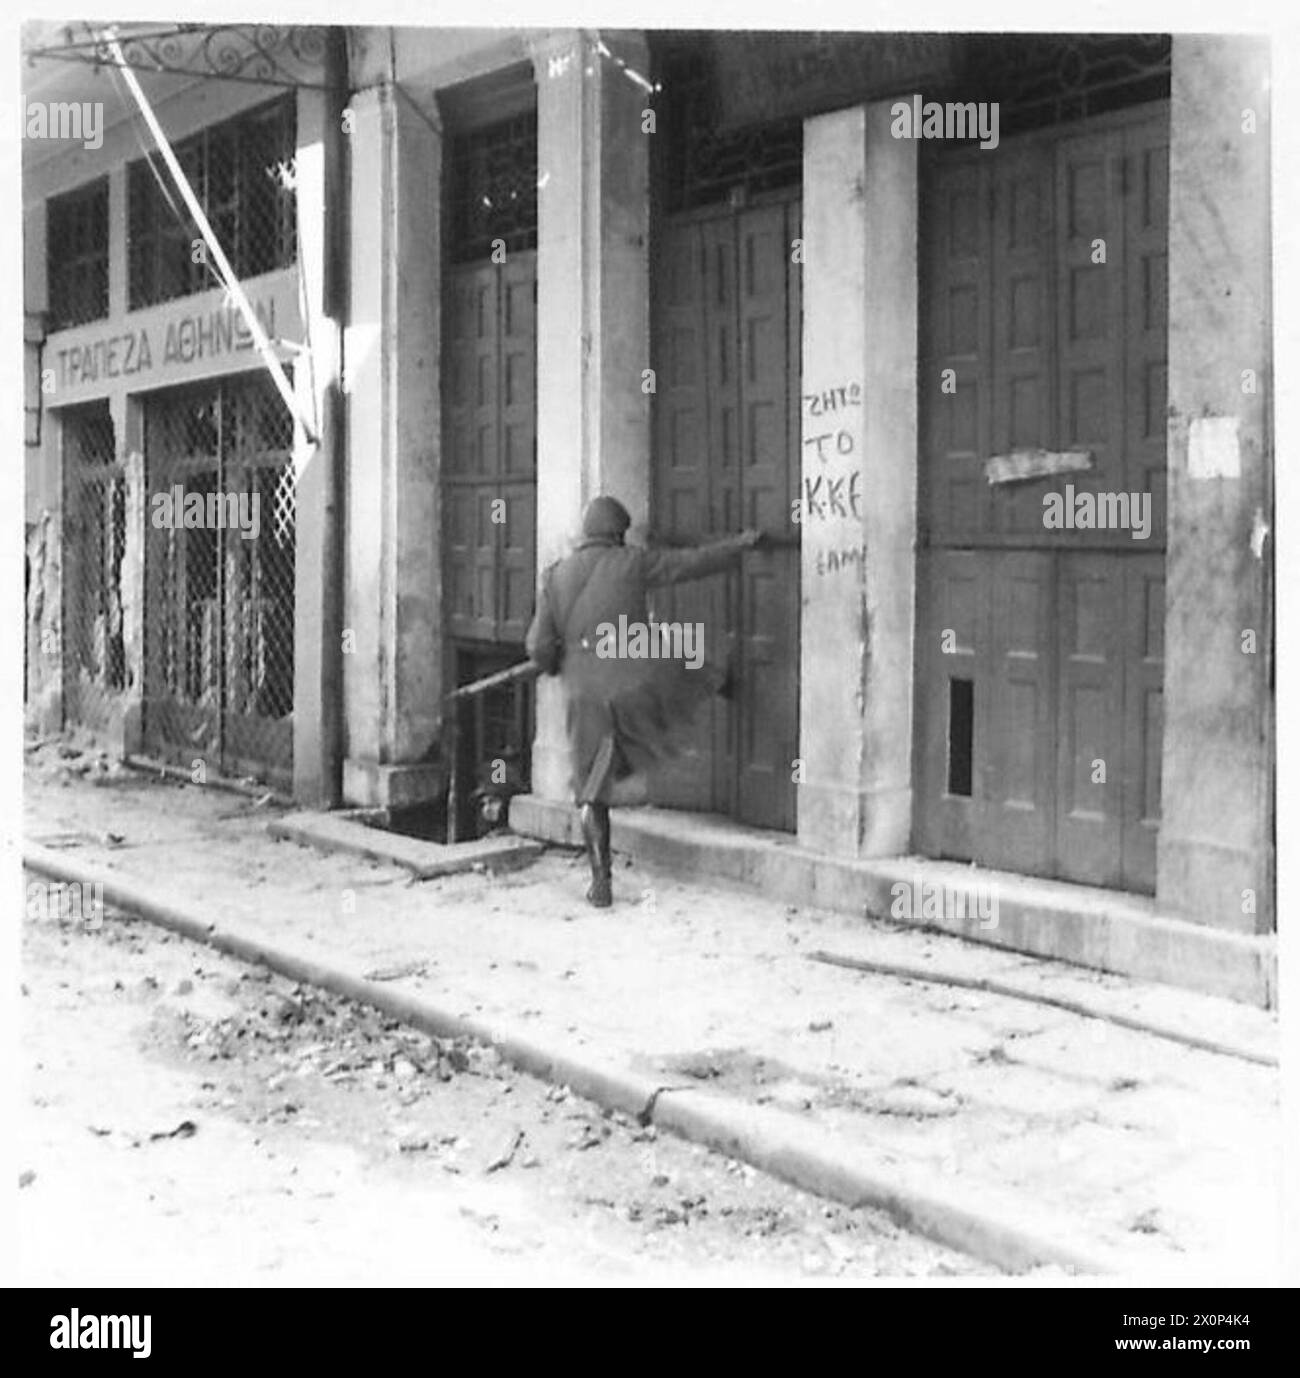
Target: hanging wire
181	219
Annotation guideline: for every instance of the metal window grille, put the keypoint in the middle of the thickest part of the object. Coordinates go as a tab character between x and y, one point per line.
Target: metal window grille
493	178
219	629
242	172
94	543
703	163
1045	79
76	236
1037	80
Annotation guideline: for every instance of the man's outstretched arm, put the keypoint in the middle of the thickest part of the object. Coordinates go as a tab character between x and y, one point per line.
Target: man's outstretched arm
694	562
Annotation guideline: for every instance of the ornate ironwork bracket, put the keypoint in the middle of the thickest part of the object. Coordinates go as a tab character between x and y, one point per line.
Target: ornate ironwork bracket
263	54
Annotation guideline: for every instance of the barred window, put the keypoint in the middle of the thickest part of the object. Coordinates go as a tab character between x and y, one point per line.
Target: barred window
242	172
702	162
94	507
494	188
76	236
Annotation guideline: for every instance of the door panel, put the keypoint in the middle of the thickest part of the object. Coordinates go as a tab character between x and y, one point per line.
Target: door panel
726	415
489	448
1044	271
768	613
1143	725
721	493
952	662
683	443
1090	310
1017	783
1146	273
1021	404
1090	730
955	427
470	431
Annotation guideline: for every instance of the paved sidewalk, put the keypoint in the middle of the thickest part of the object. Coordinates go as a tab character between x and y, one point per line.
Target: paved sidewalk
1153	1149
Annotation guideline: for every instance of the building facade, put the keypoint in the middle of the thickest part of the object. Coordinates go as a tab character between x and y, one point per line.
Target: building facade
977	329
167	528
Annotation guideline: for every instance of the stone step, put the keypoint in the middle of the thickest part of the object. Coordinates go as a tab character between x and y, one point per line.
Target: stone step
340	833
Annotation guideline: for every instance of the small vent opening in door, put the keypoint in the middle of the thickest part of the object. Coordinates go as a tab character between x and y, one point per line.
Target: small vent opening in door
961	735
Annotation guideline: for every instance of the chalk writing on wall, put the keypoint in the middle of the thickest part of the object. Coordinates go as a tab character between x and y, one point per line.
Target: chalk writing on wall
833	399
850	557
826	496
830	430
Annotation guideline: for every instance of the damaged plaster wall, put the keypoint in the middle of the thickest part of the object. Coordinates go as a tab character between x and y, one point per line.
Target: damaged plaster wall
44	707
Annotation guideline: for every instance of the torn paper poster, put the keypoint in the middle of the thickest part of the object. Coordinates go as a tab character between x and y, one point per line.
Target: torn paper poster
1019	465
1213	448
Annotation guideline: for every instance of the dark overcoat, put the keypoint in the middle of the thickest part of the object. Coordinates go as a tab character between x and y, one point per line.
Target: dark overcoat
622	713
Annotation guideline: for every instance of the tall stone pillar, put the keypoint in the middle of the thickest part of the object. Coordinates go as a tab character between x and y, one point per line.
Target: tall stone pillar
44	706
128	432
316	682
1215	858
44	709
593	310
858	500
128	426
392	632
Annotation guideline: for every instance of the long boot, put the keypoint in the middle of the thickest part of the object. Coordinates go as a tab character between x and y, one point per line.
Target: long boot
595	833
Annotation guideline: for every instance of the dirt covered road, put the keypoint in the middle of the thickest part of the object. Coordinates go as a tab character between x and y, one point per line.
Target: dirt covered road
190	1120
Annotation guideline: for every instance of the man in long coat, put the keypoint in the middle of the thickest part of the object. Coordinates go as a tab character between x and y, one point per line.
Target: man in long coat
623	712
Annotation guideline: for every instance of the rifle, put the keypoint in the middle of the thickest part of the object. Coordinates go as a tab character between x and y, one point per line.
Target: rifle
513	674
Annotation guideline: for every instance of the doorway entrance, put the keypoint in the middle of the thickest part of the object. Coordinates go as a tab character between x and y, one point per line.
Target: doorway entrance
219	599
726	354
489	427
1039	651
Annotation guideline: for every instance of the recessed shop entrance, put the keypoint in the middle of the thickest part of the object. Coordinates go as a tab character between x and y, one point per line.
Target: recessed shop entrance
1039	647
489	432
219	579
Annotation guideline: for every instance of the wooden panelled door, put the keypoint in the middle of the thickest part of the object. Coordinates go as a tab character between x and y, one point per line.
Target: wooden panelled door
726	453
490	452
1039	660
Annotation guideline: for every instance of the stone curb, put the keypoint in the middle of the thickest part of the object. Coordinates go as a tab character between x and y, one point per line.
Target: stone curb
977	1221
1083	925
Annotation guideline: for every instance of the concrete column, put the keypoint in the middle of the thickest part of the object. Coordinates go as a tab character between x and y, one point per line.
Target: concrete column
118	266
35	304
128	426
44	706
593	309
1215	855
44	710
858	560
393	673
316	621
